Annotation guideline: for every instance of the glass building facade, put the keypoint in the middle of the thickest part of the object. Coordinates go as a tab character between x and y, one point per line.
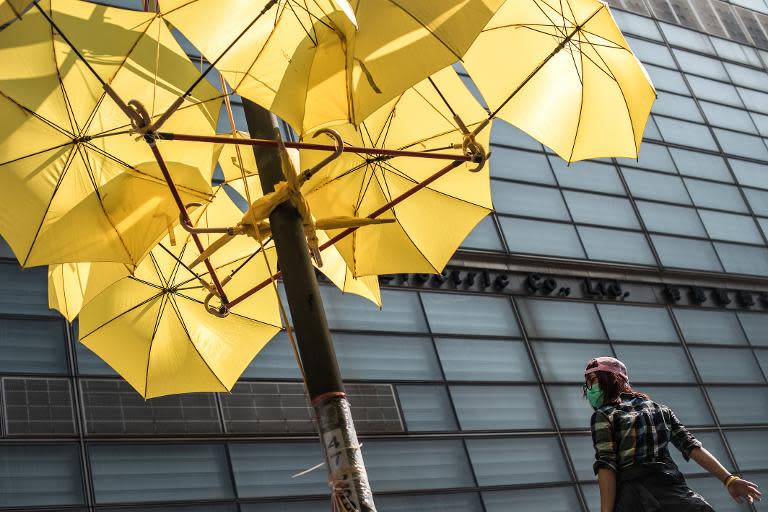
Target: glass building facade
466	387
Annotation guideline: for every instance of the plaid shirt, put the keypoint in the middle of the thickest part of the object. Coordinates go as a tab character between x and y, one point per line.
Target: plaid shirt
635	431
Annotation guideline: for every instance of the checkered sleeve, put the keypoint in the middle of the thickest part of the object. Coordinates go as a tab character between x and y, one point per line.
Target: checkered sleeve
679	435
602	439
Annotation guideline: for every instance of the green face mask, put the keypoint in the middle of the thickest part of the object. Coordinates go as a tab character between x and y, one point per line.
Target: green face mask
595	396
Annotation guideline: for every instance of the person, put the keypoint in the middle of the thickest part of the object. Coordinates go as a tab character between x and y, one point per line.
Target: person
631	434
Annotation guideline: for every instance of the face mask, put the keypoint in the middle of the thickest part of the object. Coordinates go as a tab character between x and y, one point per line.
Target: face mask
595	396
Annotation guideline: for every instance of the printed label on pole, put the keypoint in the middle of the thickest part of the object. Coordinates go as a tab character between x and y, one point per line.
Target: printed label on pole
340	470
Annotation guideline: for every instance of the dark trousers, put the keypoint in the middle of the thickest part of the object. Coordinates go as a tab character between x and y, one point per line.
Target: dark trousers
656	487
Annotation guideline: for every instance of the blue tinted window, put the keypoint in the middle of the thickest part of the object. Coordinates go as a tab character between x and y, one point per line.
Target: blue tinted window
40	476
539	237
426	408
470	314
558	319
742	405
386	357
517	460
400	311
267	469
637	323
552	499
32	346
707	326
613	245
500	407
484	360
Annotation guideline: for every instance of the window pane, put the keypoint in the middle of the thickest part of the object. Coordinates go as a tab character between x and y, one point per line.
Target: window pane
612	245
638	25
685	133
707	89
587	175
729	226
88	363
386	357
592	495
666	79
700	65
750	173
679	36
598	209
700	165
741	144
400	311
539	237
552	499
411	465
758	200
267	469
426	408
743	259
565	362
32	346
529	200
651	53
582	453
558	319
754	100
750	448
636	323
756	327
726	365
677	106
708	326
484	360
470	314
714	195
520	165
671	219
517	461
745	76
275	361
500	407
508	135
571	408
684	253
40	476
657	364
24	293
728	117
652	156
428	503
484	236
687	402
650	185
125	473
740	405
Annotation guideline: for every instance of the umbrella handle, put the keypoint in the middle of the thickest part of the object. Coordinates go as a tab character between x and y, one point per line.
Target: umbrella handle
189	228
306	175
222	311
475	151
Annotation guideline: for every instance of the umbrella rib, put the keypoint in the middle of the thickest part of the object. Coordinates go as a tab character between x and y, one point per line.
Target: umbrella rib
396	4
232	313
37	116
152	341
178	263
67	164
150	299
582	79
158	272
142	281
189	337
554	23
36	153
314	39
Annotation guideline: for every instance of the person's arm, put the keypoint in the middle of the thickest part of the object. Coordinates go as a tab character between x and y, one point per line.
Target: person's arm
738	488
606	478
606	460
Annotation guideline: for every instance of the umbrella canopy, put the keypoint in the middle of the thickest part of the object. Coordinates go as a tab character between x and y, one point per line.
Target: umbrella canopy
152	326
573	83
309	64
74	183
431	224
11	9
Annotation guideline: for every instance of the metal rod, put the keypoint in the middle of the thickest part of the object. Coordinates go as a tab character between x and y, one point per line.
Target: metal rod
346	470
313	146
405	195
185	216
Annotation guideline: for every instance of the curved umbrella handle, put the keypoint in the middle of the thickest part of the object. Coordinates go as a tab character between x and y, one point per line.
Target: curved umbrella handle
189	228
222	311
476	151
306	175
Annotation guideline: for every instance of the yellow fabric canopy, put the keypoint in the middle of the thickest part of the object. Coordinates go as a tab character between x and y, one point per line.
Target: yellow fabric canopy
152	326
75	185
562	72
12	9
306	61
431	224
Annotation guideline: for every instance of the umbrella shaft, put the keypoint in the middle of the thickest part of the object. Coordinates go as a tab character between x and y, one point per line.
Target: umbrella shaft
317	147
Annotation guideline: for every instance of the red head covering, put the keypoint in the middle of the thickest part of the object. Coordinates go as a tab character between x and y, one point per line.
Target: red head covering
607	364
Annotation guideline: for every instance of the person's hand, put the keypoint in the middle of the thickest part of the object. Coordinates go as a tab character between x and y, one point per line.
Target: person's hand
741	490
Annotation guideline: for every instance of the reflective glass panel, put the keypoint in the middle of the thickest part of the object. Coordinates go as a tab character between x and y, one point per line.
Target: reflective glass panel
758	200
484	236
551	499
657	364
470	314
714	195
484	360
756	327
500	407
731	365
386	357
750	448
707	89
529	200
559	319
517	460
400	311
664	218
508	135
267	469
700	165
520	165
582	453
275	361
729	226
571	408
686	253
740	405
426	408
687	402
651	185
637	323
740	144
728	117
539	237
24	292
743	259
750	173
464	502
40	476
587	175
613	245
32	346
685	133
602	210
132	472
708	326
565	362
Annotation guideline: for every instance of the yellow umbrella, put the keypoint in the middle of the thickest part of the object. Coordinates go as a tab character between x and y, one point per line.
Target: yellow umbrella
334	267
11	9
563	72
72	285
152	327
309	64
431	224
75	185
